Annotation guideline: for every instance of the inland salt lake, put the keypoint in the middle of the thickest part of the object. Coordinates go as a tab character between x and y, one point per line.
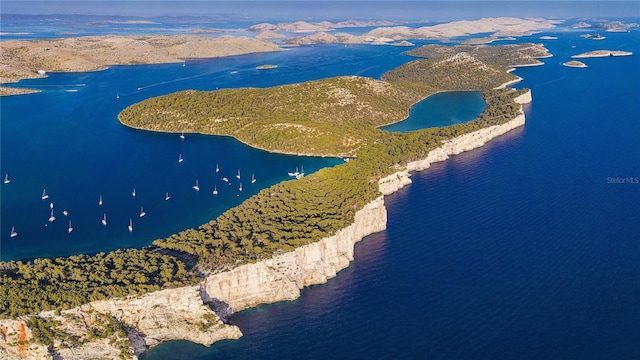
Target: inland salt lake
526	248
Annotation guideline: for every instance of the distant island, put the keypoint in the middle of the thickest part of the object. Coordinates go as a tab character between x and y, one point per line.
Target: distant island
502	28
593	36
22	59
575	64
602	53
266	67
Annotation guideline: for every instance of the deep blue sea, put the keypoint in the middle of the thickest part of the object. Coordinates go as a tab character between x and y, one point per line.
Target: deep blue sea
527	248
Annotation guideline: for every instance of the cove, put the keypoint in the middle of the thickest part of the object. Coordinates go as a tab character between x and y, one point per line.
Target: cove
441	109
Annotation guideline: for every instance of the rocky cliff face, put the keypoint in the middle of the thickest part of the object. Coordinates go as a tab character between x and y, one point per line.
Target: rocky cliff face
172	314
282	277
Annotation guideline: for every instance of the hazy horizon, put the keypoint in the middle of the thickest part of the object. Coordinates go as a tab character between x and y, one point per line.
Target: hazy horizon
330	10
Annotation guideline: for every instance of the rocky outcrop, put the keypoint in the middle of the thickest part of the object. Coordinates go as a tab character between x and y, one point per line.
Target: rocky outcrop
172	314
282	277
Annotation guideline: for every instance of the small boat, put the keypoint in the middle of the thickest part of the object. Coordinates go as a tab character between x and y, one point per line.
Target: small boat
45	196
65	213
184	64
100	201
217	168
133	193
215	190
6	179
104	219
51	206
240	188
166	196
180	159
196	187
52	218
142	213
130	227
225	179
70	229
13	231
238	175
182	135
253	179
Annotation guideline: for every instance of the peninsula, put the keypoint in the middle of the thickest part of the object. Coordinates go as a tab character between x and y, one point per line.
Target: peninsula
184	287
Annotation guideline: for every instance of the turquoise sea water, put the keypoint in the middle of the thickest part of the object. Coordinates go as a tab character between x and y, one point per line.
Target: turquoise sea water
526	248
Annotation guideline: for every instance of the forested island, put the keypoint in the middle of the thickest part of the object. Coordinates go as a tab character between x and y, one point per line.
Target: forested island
334	117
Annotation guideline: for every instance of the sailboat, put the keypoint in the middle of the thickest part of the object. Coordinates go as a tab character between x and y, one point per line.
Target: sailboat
70	229
180	159
240	188
196	187
294	174
52	218
133	193
130	225
253	179
104	219
166	196
215	190
13	231
142	213
225	179
300	174
217	168
238	175
6	179
118	96
182	135
51	206
65	212
100	201
45	196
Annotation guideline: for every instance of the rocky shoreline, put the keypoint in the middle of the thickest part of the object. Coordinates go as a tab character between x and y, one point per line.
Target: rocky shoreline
194	313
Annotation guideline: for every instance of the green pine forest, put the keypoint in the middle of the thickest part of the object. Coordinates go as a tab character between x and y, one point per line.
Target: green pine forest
335	116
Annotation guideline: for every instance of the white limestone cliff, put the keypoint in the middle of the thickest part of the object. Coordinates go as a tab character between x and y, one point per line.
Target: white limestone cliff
282	277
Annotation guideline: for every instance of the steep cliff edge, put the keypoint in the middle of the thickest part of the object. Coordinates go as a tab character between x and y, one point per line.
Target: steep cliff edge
466	142
282	277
